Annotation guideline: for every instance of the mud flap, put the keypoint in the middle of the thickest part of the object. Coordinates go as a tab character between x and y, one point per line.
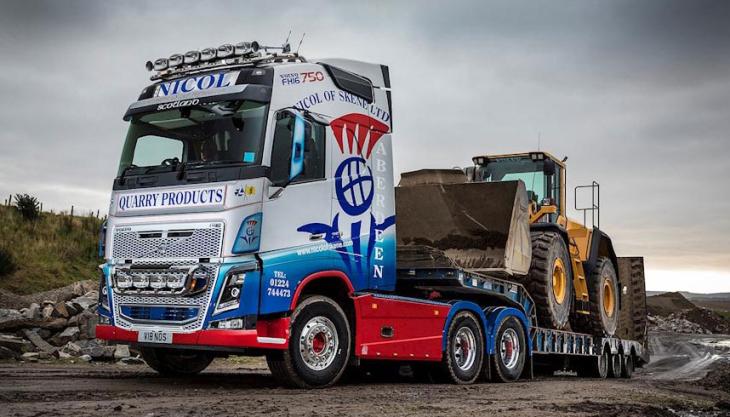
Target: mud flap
483	227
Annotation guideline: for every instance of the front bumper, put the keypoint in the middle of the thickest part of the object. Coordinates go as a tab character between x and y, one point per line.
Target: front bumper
269	334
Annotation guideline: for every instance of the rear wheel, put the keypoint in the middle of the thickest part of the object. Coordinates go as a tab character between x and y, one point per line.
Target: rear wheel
595	366
550	280
508	360
319	346
176	361
627	368
464	356
603	295
615	365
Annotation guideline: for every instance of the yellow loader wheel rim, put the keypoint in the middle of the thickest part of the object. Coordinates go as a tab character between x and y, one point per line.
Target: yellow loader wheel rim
560	281
609	298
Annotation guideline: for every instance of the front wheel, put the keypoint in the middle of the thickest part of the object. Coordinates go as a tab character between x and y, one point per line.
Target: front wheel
176	362
319	346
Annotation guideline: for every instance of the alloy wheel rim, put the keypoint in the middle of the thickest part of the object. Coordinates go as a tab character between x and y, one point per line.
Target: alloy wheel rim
318	343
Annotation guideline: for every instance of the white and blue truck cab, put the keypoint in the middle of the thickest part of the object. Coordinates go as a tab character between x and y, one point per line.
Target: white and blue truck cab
253	212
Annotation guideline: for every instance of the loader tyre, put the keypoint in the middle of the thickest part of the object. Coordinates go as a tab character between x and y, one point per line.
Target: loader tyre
508	360
603	293
319	346
594	366
464	356
627	368
176	362
550	280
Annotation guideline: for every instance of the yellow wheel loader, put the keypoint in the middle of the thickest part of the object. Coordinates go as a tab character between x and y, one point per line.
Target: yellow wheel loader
573	270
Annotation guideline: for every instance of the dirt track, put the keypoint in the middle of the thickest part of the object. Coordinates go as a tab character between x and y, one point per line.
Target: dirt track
246	389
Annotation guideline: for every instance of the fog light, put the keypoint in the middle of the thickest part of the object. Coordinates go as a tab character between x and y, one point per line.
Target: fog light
231	324
140	281
157	281
175	282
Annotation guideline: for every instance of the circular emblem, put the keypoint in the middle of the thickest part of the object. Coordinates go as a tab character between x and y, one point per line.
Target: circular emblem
354	186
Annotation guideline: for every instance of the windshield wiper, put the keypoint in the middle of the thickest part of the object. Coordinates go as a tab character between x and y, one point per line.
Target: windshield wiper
124	172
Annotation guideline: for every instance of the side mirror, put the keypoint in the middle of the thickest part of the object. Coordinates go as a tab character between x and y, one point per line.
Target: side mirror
548	167
297	151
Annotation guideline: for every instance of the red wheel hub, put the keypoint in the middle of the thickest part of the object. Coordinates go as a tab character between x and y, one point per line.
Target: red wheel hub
318	343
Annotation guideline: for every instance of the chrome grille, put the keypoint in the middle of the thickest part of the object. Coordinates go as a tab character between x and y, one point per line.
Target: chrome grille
200	301
172	241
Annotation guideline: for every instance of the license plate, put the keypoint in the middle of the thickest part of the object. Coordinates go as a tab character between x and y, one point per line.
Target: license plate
154	336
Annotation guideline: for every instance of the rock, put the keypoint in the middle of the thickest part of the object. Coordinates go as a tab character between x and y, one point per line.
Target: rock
86	301
14	343
45	333
63	355
30	356
59	310
67	335
72	349
96	351
47	311
34	312
73	321
55	324
44	355
121	351
132	361
109	352
72	309
85	358
47	302
6	353
87	325
11	319
37	341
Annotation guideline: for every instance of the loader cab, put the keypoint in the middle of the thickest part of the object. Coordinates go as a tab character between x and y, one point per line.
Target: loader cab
543	175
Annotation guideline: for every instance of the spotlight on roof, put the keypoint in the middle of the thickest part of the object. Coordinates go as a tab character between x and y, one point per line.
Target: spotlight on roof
245	48
225	50
207	54
160	64
191	57
175	60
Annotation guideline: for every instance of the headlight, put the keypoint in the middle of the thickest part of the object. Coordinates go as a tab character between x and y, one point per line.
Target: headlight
157	281
123	281
230	295
103	292
141	281
175	282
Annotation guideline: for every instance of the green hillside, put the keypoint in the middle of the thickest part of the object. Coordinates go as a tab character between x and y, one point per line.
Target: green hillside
49	252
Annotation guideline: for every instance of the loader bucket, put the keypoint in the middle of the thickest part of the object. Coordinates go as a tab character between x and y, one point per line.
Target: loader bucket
482	227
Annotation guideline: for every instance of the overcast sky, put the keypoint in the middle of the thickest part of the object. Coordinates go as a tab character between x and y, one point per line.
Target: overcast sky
635	93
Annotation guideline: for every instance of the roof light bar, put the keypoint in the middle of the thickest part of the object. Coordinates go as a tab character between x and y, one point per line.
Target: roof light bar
225	50
240	54
207	54
175	60
192	57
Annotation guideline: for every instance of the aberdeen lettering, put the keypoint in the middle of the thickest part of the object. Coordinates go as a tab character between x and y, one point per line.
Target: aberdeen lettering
168	199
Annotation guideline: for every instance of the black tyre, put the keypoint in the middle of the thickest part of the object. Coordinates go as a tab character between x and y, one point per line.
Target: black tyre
176	362
615	364
628	367
603	293
594	366
319	346
550	280
464	357
510	353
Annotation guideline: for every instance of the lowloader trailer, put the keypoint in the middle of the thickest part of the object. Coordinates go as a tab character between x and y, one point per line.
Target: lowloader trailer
254	213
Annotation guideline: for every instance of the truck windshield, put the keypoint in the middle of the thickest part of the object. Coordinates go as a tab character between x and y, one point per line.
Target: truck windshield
215	133
513	169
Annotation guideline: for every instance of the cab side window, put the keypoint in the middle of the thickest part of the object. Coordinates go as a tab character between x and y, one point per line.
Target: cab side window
281	151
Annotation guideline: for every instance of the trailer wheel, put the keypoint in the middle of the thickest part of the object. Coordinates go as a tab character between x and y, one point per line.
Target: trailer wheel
319	346
176	362
615	365
464	356
550	279
603	293
508	360
627	368
595	366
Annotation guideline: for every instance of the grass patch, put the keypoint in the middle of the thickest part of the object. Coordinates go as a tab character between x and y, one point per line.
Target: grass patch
52	251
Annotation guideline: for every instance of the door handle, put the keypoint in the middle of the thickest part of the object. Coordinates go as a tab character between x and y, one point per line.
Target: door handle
316	236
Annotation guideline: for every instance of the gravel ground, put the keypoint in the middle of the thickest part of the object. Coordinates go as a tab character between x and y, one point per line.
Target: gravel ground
245	388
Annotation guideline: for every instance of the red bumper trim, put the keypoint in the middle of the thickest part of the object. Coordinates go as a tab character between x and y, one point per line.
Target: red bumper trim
272	334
